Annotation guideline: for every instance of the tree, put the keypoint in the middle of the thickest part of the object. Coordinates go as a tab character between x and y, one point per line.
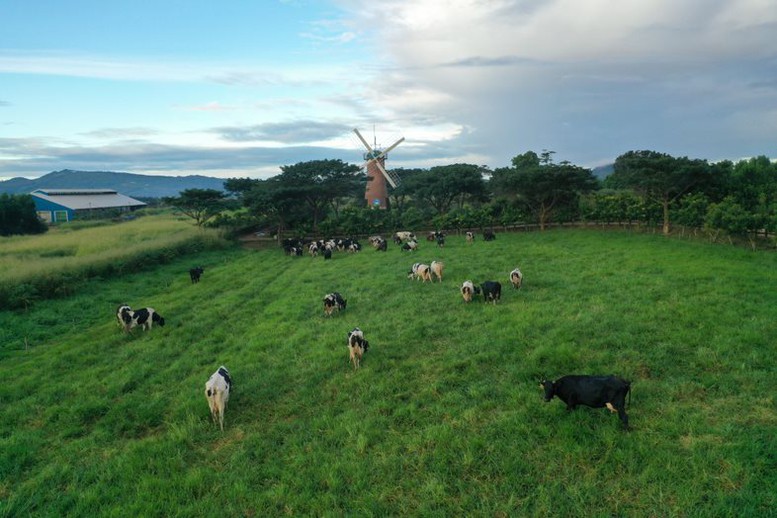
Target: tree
18	216
659	177
321	183
199	204
542	186
441	185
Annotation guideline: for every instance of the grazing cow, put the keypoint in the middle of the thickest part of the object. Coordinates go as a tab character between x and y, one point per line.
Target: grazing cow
488	235
333	301
470	237
435	235
124	316
327	253
217	393
146	318
469	290
382	245
516	278
399	237
410	246
195	273
357	346
492	291
436	268
593	391
420	271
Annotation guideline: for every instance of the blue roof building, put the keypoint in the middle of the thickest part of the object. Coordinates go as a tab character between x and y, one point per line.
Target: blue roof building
59	205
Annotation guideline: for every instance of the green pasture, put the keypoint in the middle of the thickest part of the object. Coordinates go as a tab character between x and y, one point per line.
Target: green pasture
444	418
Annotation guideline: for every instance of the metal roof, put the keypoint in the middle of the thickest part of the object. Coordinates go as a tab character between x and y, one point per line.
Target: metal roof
77	199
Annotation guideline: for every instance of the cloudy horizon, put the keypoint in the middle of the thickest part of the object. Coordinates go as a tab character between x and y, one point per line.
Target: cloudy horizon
242	89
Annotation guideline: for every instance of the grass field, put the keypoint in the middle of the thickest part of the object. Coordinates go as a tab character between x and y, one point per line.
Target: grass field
53	264
445	417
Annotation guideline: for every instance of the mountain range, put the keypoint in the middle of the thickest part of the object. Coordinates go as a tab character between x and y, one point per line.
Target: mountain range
129	184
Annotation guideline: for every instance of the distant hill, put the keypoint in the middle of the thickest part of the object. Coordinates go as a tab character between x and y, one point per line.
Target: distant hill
603	171
134	185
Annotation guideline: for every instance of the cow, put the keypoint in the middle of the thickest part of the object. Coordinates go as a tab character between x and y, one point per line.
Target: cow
441	241
217	390
593	391
333	301
470	237
195	273
382	245
327	253
420	271
146	318
435	235
516	278
124	316
410	246
492	291
313	249
469	290
488	235
357	346
399	237
436	268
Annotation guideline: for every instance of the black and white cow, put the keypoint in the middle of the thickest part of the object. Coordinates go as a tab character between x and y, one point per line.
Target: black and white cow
399	237
146	318
470	237
492	291
410	246
195	274
217	390
382	245
593	391
333	301
124	316
357	346
469	290
516	278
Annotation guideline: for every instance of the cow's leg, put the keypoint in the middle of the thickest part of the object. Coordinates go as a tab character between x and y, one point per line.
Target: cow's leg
610	407
623	416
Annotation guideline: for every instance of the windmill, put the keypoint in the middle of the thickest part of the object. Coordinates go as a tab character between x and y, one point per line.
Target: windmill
377	175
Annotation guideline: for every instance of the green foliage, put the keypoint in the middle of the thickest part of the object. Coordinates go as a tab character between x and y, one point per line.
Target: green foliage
199	204
444	417
18	216
547	190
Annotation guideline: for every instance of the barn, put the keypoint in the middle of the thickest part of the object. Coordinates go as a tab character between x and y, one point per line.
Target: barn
60	205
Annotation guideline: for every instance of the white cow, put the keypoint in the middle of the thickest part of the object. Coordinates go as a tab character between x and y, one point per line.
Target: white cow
217	393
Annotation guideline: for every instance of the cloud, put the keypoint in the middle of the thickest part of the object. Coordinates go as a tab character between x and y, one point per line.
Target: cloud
120	133
292	132
4	103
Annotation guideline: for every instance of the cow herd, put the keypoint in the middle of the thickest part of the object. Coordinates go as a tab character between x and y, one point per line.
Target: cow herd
592	391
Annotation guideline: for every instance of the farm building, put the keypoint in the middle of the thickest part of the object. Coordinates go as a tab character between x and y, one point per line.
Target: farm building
58	205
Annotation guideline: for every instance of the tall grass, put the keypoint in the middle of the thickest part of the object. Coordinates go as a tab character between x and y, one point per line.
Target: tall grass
52	264
444	417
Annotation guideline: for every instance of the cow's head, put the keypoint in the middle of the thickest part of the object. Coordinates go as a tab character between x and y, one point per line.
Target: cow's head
549	388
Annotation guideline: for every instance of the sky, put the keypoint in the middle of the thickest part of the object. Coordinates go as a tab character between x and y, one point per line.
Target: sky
242	87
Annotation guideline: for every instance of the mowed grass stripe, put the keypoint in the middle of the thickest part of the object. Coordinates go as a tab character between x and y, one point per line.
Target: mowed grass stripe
444	417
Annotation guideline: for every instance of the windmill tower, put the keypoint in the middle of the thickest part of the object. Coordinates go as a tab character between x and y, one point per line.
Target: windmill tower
377	175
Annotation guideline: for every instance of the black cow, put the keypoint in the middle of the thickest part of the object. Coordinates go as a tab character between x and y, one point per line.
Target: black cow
594	391
195	273
327	253
333	301
488	235
492	291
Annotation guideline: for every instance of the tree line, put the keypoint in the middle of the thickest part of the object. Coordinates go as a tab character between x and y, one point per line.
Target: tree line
648	188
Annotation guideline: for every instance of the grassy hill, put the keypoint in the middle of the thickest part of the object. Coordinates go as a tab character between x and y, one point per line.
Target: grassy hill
445	416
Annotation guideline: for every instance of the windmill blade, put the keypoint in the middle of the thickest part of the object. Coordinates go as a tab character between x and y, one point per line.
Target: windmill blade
392	146
362	139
